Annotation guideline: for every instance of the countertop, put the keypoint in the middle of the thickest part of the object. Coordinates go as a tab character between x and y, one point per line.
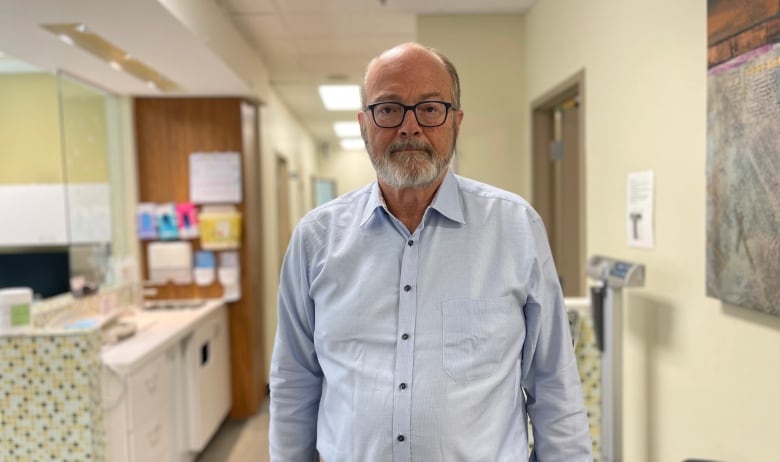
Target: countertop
156	331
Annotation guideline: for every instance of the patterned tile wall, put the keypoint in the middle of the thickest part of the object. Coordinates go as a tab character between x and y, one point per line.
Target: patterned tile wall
589	365
50	401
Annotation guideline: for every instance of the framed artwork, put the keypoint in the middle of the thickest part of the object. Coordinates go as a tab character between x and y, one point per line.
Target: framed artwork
743	154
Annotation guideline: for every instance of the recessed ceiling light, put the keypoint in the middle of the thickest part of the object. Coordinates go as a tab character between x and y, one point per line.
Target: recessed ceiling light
353	144
81	36
346	129
340	97
65	38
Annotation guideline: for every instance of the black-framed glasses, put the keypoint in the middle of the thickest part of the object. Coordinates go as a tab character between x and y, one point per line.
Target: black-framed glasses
427	113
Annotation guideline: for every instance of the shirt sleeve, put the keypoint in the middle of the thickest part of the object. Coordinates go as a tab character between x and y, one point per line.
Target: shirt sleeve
549	373
296	377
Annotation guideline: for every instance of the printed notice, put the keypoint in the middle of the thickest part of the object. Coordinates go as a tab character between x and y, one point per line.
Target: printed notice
215	177
639	217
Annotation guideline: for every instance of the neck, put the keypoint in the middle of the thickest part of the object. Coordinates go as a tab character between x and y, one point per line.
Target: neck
409	204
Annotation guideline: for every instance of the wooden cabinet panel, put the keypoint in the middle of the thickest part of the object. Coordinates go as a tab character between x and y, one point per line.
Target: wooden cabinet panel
168	130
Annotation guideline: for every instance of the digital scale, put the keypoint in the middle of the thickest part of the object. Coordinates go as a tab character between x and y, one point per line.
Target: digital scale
607	303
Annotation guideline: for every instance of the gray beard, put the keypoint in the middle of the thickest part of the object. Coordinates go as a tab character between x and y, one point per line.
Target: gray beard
409	170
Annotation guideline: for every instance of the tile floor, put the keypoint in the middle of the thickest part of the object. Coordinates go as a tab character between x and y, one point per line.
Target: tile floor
240	440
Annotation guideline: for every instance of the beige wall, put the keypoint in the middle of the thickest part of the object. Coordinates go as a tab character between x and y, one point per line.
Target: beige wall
349	169
30	150
281	135
32	144
488	52
700	377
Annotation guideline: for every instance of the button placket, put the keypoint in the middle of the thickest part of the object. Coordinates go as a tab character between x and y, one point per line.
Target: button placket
404	364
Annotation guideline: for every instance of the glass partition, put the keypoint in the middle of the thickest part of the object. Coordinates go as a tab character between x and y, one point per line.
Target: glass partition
62	201
92	164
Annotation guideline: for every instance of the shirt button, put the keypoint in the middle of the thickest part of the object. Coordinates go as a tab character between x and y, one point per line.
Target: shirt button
401	438
405	336
411	242
407	288
402	386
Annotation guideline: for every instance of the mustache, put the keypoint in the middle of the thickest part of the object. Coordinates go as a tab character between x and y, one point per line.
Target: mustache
410	145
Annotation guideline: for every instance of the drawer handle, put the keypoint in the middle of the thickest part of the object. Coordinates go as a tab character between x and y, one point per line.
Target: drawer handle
154	435
151	384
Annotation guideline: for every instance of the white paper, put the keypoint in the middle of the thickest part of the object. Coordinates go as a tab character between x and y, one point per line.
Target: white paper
639	216
215	178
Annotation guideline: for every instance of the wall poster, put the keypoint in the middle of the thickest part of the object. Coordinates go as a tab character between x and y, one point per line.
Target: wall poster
743	154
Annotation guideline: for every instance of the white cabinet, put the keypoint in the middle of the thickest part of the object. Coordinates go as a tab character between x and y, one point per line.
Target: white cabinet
167	389
207	369
151	408
140	409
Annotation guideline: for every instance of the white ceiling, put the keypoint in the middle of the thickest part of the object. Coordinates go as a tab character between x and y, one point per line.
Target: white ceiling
303	43
143	28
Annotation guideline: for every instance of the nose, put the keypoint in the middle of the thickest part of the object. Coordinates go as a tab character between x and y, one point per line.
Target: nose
409	125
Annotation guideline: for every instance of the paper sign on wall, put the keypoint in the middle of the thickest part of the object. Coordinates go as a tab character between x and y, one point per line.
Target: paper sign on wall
639	216
215	177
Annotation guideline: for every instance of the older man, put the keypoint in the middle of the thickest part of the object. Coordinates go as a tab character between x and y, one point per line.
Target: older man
420	317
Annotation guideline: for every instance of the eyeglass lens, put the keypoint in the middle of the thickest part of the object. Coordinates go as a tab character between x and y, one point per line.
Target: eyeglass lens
428	113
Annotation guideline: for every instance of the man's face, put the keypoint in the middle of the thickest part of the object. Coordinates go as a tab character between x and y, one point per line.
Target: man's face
410	155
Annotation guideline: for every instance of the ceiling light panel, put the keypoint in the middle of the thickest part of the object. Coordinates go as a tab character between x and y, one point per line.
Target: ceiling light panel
353	144
347	129
340	97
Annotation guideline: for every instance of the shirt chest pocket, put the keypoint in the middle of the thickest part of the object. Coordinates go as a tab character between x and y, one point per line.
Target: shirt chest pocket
477	334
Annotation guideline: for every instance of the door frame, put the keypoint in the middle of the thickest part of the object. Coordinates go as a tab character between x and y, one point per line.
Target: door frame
544	197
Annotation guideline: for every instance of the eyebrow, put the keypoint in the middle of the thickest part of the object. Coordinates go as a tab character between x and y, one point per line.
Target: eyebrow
394	97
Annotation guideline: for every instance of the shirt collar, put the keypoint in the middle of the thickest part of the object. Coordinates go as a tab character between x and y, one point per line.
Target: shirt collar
375	202
446	201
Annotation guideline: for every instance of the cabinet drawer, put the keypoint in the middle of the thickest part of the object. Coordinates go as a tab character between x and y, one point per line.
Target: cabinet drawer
149	390
152	440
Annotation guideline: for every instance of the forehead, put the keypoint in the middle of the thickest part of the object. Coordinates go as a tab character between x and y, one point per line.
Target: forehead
407	73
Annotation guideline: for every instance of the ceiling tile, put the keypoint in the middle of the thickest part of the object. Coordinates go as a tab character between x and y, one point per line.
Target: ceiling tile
279	55
457	6
351	24
262	27
405	6
248	6
335	6
344	46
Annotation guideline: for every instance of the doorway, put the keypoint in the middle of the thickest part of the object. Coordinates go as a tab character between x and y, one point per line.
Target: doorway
558	158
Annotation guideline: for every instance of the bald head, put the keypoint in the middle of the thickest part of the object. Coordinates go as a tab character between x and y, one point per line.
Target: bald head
406	53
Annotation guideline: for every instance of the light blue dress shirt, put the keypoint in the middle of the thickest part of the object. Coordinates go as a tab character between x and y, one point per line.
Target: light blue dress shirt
425	347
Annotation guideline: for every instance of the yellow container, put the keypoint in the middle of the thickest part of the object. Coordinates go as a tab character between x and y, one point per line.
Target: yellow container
220	230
